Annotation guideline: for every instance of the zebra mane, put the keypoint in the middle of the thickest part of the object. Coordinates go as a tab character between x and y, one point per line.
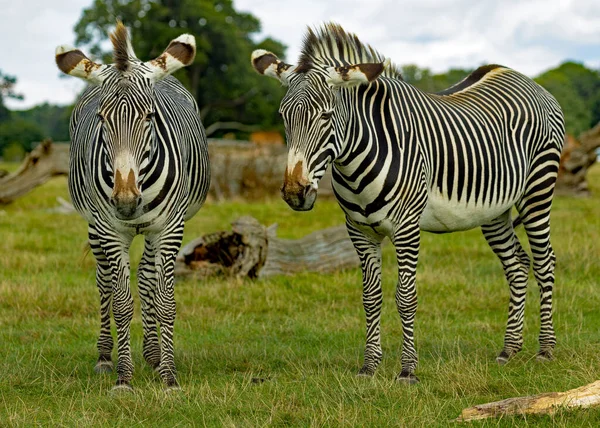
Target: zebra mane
332	45
122	50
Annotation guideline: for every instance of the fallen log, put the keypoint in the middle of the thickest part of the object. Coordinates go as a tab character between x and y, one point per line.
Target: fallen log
254	251
47	160
548	403
238	170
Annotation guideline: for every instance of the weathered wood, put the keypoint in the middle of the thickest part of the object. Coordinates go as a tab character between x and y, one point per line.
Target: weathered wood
253	250
240	170
251	171
47	160
578	155
585	396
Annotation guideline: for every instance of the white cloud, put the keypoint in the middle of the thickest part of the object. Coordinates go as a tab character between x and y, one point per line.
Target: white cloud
528	35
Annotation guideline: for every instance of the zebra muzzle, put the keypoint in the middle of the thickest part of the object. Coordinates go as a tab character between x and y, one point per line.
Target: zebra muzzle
126	197
297	191
299	197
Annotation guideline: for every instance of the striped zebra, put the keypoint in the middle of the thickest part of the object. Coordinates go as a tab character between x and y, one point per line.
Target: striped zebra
405	160
139	165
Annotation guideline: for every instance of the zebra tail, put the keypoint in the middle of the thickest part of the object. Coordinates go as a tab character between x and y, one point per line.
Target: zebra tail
85	251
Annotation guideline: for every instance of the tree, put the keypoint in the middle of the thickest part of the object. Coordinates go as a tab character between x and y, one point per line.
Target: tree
19	131
577	90
221	78
52	120
423	79
7	84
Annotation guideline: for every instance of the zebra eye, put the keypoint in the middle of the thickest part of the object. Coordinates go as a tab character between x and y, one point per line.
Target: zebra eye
326	115
100	117
150	116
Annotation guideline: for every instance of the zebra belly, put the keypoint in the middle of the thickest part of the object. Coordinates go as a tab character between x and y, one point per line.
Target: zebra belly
443	215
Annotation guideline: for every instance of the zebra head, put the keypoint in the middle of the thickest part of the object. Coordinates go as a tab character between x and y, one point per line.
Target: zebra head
311	108
306	110
126	116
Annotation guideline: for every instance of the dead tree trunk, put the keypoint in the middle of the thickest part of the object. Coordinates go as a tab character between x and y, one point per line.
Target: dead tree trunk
577	156
238	170
47	160
253	250
585	396
250	171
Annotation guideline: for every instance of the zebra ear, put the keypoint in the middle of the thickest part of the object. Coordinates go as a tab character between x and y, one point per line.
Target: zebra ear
180	53
267	63
354	75
73	62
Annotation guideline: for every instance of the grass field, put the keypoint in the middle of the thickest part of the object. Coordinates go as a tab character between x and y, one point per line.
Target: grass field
304	335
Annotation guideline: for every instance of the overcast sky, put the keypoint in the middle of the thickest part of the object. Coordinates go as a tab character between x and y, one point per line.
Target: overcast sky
528	35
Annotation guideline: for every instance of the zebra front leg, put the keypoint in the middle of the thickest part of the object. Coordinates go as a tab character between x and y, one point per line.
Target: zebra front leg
103	281
501	238
117	253
368	248
167	246
147	287
407	239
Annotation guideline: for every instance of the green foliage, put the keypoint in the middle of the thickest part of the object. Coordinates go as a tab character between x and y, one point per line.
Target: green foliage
303	335
7	84
14	152
52	120
21	132
577	89
423	79
221	77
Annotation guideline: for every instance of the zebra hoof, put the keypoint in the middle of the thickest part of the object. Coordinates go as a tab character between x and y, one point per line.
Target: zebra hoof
173	389
407	378
365	372
122	388
103	367
502	358
544	356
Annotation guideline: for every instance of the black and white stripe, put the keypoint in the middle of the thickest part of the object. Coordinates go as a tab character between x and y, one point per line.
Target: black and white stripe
133	122
405	160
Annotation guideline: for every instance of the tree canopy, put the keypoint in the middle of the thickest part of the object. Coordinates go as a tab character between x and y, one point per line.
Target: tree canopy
7	90
221	78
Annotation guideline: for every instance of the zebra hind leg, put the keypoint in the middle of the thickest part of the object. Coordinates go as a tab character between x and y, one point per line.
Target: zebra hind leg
501	238
369	253
103	281
537	226
146	286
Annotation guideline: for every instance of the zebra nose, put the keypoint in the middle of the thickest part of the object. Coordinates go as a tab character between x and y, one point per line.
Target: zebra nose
299	198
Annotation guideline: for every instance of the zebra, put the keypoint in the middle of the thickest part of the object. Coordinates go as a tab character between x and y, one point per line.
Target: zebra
404	160
138	165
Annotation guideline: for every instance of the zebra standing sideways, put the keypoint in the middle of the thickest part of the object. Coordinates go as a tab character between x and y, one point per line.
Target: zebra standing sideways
405	160
139	165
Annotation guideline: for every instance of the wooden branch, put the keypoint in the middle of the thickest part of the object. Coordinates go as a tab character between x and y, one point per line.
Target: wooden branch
47	160
582	397
253	250
577	157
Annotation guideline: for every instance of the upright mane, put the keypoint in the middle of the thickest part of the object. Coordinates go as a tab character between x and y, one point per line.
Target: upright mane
331	45
122	50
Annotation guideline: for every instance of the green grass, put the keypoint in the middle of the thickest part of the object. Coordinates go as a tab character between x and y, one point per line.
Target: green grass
304	334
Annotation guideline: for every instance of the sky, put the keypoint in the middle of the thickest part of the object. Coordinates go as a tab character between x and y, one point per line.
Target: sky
528	35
